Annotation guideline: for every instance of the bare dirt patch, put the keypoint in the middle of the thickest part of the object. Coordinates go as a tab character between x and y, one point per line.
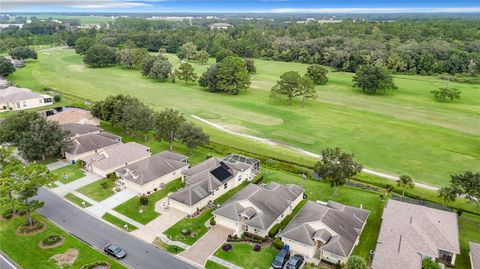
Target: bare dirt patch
67	258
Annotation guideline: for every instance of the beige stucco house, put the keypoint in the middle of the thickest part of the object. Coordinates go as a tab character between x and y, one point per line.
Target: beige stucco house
152	173
13	98
115	157
256	209
411	232
328	231
210	179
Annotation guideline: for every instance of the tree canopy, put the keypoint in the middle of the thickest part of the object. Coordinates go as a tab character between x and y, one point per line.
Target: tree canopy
444	94
6	67
192	136
288	85
466	184
373	79
100	55
186	73
167	124
23	53
317	73
230	75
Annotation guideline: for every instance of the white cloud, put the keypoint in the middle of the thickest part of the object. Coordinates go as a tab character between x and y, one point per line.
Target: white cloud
375	10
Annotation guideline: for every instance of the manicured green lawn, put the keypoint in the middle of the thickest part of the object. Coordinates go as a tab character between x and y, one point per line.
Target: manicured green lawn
97	191
242	254
131	208
68	173
405	132
214	265
76	200
197	225
26	252
318	190
469	226
170	248
118	222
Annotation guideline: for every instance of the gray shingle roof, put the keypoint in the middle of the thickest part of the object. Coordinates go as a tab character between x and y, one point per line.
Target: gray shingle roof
149	169
344	224
475	255
118	155
75	129
14	94
201	182
409	229
90	142
269	203
172	155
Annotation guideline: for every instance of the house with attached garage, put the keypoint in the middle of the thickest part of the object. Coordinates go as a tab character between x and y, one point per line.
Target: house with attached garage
117	156
411	233
152	173
328	231
74	115
210	179
13	98
256	209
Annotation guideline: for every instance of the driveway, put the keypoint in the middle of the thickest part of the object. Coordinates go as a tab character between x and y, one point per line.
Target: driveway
199	252
57	164
98	234
157	226
111	202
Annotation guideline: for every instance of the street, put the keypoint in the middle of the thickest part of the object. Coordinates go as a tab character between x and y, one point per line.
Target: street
98	234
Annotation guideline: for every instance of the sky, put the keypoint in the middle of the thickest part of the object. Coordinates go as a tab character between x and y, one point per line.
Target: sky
241	6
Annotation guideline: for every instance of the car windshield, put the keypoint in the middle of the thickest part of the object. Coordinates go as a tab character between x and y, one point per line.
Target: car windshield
293	261
115	249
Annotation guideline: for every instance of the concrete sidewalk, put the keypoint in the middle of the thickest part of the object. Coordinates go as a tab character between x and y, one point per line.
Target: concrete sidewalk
63	189
111	202
57	164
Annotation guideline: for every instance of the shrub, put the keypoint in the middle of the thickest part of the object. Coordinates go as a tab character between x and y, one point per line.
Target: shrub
227	247
99	264
25	229
81	163
155	189
104	184
213	222
51	239
57	97
186	232
277	243
257	248
112	176
143	200
7	213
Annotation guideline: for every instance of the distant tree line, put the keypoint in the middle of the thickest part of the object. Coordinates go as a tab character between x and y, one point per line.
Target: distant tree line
408	46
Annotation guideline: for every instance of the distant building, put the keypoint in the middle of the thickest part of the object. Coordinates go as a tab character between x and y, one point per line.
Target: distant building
411	233
220	26
13	98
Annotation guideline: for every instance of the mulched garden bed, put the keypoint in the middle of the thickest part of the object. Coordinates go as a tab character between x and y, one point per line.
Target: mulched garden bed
37	227
52	241
96	265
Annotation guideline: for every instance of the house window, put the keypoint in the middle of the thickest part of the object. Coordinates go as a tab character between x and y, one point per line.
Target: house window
246	228
24	104
225	185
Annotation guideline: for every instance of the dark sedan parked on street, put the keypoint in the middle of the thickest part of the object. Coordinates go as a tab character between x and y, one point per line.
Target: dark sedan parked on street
115	251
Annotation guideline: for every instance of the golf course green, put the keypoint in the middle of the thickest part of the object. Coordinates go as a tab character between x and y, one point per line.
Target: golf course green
403	132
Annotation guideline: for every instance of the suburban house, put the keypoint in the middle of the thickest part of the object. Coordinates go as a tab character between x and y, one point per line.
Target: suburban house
210	179
13	98
256	209
114	157
77	129
411	232
327	231
85	145
152	173
74	115
474	255
220	26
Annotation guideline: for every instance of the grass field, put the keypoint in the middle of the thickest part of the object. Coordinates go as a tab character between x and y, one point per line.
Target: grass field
26	252
118	222
406	132
132	207
239	252
98	192
76	200
68	173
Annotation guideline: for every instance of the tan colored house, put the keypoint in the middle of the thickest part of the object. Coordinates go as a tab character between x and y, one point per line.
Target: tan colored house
74	115
115	157
256	209
327	231
13	98
210	179
411	232
152	173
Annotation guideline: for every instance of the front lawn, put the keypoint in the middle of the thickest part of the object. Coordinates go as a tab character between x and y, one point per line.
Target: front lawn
118	222
468	225
318	190
242	254
68	173
170	248
214	265
98	190
76	200
131	208
26	252
197	225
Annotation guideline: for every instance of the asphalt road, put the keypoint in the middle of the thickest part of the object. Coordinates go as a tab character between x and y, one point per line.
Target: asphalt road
98	234
6	262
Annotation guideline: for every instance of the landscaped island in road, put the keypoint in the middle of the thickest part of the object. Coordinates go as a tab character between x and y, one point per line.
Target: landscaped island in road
402	133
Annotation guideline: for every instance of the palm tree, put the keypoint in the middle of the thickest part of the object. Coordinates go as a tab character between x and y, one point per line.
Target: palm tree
405	182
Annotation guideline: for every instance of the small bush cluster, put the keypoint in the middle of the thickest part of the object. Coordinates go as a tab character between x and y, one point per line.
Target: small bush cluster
81	164
257	248
104	184
253	238
51	239
25	229
227	247
7	213
277	243
112	176
96	265
213	222
144	200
